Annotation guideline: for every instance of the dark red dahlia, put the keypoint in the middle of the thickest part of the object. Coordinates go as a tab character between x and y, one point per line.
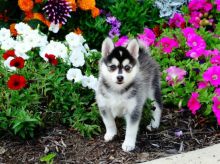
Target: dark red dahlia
17	62
8	54
16	82
57	11
52	59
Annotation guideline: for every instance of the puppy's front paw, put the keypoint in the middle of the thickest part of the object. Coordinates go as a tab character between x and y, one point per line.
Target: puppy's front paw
109	136
128	147
153	125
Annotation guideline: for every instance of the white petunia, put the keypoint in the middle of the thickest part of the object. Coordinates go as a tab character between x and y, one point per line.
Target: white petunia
21	48
74	40
77	58
22	54
90	82
74	74
58	49
4	34
7	64
8	44
23	28
54	27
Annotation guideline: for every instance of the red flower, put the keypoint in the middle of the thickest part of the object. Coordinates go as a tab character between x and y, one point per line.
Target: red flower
17	62
8	54
16	82
52	59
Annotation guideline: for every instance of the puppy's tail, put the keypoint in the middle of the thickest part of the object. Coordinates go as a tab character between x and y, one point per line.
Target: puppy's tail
143	48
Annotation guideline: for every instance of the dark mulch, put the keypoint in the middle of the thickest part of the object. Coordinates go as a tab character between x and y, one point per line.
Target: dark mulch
70	147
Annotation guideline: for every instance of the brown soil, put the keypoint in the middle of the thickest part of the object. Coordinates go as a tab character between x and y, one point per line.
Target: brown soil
71	147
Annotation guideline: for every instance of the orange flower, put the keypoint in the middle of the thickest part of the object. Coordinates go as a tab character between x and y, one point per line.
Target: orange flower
95	12
86	4
26	5
13	30
72	3
78	31
28	15
38	1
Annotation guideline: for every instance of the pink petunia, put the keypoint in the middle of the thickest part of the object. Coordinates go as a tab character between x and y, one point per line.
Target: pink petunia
202	5
217	91
195	18
196	41
177	21
195	53
212	75
174	75
217	2
193	103
214	52
168	44
122	41
215	60
148	37
216	108
188	31
203	84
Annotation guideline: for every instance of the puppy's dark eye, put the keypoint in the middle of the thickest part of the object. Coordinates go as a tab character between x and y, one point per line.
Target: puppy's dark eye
127	68
112	67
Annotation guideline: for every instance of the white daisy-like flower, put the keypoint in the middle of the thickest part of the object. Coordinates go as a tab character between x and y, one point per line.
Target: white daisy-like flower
8	44
74	74
7	64
4	34
74	40
91	82
54	27
23	28
77	58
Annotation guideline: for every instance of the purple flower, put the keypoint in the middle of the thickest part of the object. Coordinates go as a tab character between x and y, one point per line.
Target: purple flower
168	44
217	91
177	21
195	19
122	41
148	37
188	31
202	5
215	60
195	53
57	11
178	133
175	75
212	75
115	25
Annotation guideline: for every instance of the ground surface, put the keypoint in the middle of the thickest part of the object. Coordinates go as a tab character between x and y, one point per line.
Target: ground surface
70	147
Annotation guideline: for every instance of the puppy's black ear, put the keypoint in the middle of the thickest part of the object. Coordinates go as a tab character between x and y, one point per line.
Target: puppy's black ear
133	48
107	47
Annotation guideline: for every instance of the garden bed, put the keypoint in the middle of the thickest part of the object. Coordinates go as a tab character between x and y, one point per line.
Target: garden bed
70	147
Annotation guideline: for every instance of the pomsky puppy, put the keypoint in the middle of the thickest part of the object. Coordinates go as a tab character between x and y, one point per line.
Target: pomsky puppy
127	77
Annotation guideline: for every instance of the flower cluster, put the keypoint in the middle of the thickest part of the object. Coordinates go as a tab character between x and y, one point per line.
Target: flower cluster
115	25
72	51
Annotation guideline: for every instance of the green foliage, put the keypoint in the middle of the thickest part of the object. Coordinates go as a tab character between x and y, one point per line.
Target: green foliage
134	16
48	98
48	158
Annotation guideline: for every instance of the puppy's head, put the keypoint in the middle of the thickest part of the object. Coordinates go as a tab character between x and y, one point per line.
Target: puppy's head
119	65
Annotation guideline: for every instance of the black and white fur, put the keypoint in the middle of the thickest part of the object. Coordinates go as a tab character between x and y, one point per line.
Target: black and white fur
127	77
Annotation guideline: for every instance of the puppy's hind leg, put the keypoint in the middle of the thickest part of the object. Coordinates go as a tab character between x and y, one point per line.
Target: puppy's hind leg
109	122
155	95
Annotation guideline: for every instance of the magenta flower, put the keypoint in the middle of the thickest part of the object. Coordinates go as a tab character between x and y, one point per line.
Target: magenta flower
193	103
217	2
195	19
217	91
177	21
122	41
168	44
148	37
202	5
216	108
188	31
174	75
215	60
212	75
196	41
214	52
203	84
195	53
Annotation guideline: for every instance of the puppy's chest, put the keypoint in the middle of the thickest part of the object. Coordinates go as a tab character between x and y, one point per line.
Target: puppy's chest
119	104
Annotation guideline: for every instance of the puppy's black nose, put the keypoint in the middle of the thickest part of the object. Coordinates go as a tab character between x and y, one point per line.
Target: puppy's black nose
120	78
